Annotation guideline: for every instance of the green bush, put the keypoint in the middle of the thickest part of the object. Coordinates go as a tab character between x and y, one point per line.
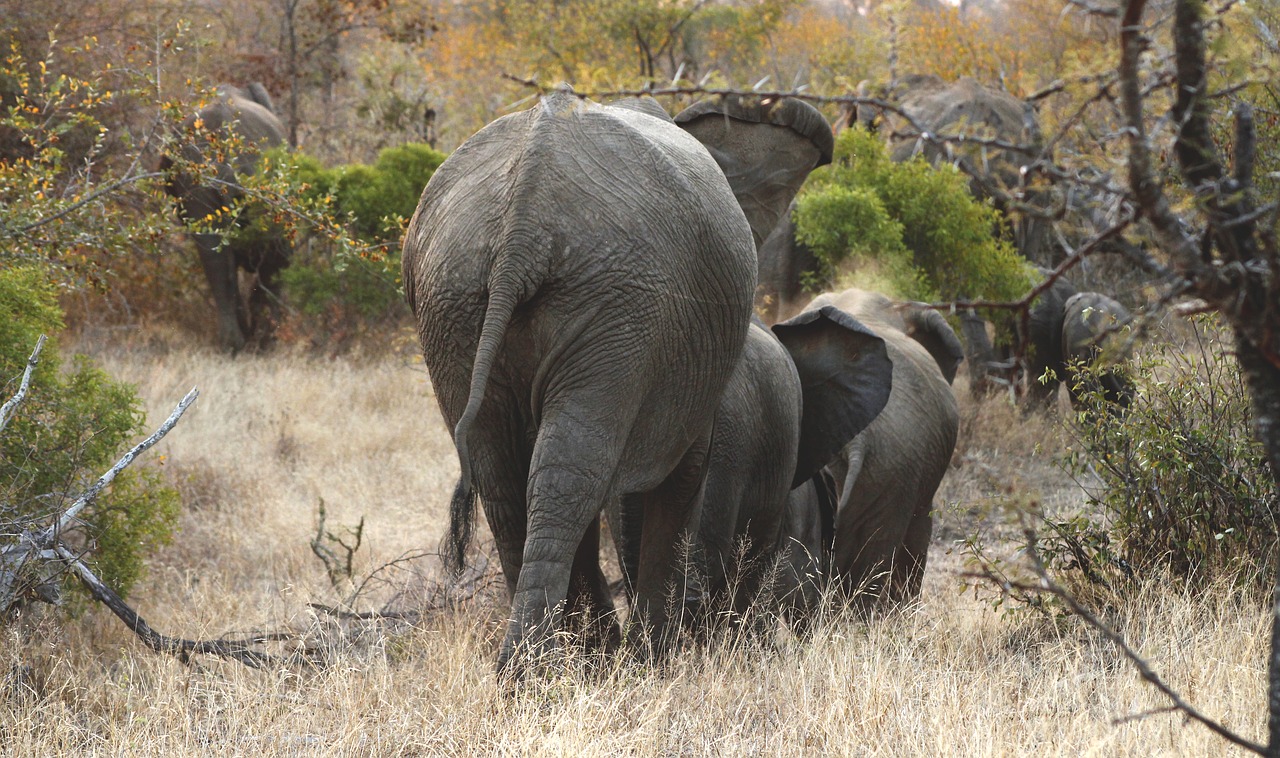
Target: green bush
916	226
376	202
1184	484
73	425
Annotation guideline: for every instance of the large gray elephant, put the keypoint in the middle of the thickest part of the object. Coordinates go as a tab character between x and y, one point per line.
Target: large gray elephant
582	278
230	243
887	476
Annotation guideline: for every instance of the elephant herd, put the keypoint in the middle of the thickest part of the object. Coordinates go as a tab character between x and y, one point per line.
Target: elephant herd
583	279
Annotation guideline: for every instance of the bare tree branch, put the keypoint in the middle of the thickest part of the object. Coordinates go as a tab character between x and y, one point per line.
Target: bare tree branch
125	460
240	650
1046	586
11	405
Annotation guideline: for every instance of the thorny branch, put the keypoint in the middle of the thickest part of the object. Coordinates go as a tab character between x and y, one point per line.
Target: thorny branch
1046	586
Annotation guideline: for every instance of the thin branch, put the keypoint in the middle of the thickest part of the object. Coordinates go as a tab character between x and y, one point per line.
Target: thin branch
7	410
112	187
240	650
1046	586
91	493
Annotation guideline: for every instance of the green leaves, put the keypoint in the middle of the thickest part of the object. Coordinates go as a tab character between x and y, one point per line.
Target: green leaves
71	428
915	227
1184	485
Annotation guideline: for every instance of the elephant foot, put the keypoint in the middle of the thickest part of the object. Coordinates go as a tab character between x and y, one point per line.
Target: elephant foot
232	341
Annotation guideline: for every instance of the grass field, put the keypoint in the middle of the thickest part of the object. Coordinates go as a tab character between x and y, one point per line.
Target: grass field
273	436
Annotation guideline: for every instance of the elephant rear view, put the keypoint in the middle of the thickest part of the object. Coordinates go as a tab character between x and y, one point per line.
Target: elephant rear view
887	476
244	119
582	279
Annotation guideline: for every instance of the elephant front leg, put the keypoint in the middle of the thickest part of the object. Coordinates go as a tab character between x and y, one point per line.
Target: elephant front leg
220	271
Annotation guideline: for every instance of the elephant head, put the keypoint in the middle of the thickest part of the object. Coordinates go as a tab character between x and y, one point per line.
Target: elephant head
1068	328
582	279
1090	322
203	191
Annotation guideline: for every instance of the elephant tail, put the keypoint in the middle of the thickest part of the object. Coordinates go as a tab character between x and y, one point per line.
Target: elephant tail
504	296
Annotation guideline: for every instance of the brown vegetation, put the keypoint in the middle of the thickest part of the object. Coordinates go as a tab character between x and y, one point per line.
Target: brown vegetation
272	435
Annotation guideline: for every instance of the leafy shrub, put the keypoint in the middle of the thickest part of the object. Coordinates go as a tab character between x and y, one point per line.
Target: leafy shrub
71	428
336	290
916	226
1185	486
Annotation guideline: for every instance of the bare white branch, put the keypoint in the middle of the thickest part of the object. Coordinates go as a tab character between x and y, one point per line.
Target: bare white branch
7	410
124	461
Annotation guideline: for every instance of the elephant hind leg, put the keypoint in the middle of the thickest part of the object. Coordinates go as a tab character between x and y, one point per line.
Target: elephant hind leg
567	486
669	524
909	560
589	608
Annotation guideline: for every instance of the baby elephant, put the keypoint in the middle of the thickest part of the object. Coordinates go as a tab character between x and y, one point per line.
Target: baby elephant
799	393
887	476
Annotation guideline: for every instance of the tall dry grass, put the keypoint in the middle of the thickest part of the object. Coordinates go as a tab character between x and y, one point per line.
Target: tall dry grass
272	435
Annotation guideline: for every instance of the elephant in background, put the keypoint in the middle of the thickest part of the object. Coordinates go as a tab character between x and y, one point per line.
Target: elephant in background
236	243
1069	329
582	276
966	106
1089	320
887	476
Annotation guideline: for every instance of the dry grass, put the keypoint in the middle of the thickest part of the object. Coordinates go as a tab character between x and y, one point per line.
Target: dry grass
272	435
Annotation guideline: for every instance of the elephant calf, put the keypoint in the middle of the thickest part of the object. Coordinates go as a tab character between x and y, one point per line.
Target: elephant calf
887	476
799	394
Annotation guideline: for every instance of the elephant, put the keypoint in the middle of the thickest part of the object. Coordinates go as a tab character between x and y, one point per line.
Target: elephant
887	476
581	277
1065	328
966	106
1068	330
800	392
243	242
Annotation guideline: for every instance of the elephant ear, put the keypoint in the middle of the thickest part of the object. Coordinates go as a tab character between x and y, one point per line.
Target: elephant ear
765	148
258	94
845	375
931	330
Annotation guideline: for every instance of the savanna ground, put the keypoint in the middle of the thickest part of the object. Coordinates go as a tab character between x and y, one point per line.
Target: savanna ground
274	435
